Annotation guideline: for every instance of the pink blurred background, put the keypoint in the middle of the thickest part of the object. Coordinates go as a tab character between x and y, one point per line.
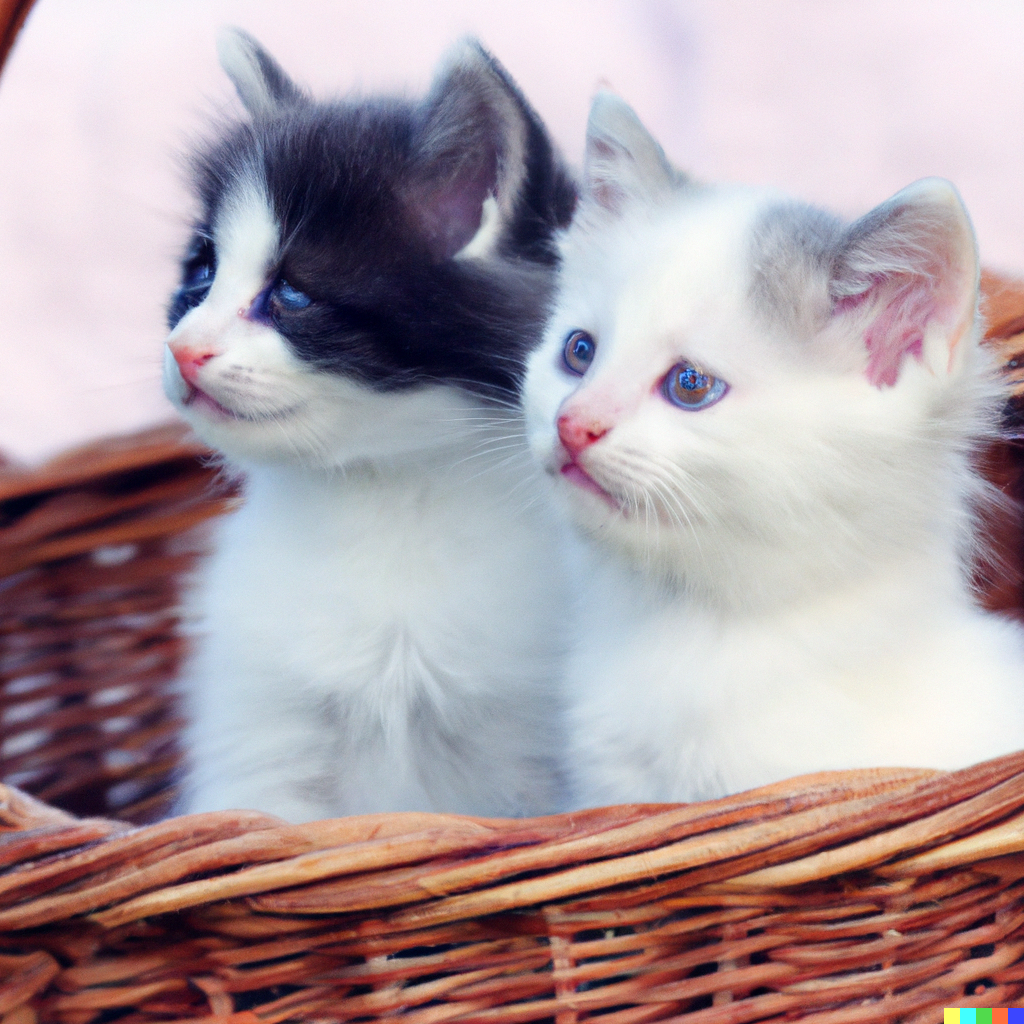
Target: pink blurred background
842	103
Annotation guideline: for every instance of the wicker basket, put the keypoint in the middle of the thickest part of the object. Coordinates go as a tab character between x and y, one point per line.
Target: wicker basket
868	896
92	547
858	896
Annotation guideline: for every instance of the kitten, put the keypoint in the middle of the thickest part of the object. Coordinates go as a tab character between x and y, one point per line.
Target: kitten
762	420
381	617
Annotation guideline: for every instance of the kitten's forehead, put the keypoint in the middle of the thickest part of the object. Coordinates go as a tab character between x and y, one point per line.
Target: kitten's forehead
688	277
700	249
328	172
716	273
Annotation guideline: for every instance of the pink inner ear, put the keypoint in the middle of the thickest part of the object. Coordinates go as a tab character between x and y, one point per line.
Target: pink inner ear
898	330
600	183
450	211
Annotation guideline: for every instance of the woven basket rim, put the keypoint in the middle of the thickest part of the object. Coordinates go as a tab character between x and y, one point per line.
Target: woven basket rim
105	456
789	834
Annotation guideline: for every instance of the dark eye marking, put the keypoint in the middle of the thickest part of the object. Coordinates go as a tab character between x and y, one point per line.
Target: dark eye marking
198	270
278	300
286	296
199	265
578	352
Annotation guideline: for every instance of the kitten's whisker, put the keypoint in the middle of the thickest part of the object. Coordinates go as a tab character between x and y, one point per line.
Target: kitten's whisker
680	482
671	506
495	421
673	500
300	224
492	395
663	489
517	438
524	506
483	452
509	460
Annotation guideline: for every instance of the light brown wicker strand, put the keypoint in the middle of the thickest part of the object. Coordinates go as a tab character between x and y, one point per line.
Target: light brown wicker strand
417	847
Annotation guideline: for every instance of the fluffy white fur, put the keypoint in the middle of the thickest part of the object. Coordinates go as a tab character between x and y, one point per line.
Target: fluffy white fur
780	580
381	620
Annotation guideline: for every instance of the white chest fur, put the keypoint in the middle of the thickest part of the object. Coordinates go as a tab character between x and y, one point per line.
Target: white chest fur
896	670
381	642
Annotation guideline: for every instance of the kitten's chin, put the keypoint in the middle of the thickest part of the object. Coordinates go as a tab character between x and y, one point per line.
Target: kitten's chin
580	479
199	403
263	439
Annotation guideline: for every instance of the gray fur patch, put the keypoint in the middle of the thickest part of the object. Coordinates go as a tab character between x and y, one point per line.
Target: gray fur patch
793	249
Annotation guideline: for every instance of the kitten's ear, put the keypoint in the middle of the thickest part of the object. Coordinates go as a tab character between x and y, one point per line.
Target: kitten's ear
911	267
471	142
261	82
622	160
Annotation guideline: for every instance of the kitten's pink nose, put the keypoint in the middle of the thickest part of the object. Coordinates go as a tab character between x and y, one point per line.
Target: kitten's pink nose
189	360
576	435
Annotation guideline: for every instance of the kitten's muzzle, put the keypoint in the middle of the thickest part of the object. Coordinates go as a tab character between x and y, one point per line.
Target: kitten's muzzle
186	391
576	435
575	474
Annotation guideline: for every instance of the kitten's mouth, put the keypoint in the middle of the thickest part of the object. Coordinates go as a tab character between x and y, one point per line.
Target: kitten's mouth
575	474
196	398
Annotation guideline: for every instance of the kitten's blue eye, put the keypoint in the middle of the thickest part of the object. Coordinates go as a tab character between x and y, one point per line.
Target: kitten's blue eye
197	273
200	266
199	276
287	297
691	388
579	351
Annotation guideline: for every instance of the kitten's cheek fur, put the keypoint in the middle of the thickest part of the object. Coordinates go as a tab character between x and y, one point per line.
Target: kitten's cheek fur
543	394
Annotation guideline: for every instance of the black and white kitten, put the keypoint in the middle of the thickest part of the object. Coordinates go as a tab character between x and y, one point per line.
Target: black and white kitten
382	617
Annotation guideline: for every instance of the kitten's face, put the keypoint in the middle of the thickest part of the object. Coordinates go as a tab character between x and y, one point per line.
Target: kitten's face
362	273
703	403
241	383
651	397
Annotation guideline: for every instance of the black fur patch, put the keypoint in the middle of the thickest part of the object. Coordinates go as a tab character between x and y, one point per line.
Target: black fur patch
386	311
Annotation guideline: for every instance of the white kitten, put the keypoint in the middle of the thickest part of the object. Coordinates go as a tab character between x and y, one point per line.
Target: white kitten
382	617
763	421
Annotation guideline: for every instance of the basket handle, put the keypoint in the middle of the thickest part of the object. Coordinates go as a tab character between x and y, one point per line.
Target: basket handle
12	17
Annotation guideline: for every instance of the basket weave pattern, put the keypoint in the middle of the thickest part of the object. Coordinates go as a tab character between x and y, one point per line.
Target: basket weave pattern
93	549
849	897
